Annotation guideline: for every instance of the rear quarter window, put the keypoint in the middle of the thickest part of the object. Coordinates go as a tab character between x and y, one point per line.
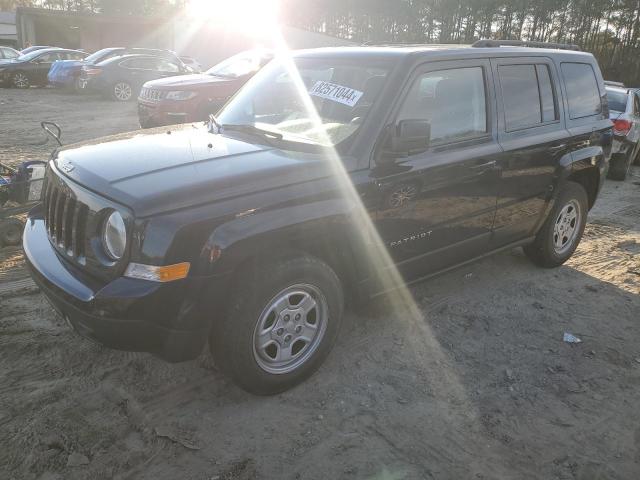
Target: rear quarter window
583	94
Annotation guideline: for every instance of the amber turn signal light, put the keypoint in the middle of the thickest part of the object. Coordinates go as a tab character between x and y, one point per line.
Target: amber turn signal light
166	273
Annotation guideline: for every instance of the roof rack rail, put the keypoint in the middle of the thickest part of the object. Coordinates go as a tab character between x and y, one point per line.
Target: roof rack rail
523	43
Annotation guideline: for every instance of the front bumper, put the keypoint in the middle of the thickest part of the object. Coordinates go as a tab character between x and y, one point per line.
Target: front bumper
125	314
159	114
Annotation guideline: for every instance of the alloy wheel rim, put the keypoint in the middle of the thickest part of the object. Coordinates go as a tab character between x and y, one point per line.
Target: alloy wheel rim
122	91
20	80
290	329
566	228
403	195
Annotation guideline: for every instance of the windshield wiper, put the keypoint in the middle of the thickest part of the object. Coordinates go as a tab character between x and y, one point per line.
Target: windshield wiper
222	75
251	129
213	124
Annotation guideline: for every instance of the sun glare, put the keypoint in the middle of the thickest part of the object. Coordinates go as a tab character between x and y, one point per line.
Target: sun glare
246	15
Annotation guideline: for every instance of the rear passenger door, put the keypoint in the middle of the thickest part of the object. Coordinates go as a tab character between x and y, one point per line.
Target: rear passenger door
140	70
533	138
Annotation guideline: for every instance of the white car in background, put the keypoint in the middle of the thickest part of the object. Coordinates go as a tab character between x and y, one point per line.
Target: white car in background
624	112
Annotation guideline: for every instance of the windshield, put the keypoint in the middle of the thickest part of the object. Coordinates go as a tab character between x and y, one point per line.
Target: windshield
240	65
100	55
341	92
617	100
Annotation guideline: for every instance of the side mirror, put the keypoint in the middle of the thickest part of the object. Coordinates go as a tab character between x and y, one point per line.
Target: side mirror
410	136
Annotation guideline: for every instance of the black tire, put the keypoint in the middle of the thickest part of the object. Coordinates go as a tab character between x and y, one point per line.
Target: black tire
542	251
10	232
233	336
619	167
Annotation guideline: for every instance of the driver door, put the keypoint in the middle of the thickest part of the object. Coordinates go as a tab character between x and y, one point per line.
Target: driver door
40	67
436	207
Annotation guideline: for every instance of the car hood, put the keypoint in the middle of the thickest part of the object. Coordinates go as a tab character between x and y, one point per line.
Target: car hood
7	61
163	170
193	80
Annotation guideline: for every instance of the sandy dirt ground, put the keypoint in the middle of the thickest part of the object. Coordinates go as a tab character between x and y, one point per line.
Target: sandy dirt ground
475	383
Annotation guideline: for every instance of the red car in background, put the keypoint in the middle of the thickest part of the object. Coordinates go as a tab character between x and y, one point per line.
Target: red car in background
191	98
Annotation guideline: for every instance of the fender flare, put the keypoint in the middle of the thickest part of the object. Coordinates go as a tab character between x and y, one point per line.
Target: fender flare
323	227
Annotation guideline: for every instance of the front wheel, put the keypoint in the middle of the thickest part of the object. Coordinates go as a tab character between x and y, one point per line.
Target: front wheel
561	233
281	322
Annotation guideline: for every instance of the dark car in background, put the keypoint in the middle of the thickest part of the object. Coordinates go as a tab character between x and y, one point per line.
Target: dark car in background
193	97
32	68
121	78
8	53
624	112
66	74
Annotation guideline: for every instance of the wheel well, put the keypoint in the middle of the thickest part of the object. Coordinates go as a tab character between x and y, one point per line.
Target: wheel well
589	178
333	254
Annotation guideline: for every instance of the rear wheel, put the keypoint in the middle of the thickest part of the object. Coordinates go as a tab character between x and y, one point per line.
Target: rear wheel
20	80
122	91
561	233
281	323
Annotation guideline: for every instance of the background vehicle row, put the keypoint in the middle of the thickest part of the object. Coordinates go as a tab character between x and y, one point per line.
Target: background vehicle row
32	68
624	111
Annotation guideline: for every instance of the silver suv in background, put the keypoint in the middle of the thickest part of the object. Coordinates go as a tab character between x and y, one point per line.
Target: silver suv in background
624	112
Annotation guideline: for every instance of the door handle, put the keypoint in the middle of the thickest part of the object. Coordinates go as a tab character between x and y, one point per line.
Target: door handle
558	148
487	165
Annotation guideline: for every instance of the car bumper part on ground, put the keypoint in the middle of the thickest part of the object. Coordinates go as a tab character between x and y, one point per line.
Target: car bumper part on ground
115	314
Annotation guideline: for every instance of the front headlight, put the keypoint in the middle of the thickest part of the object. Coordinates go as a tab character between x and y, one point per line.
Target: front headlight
180	95
114	236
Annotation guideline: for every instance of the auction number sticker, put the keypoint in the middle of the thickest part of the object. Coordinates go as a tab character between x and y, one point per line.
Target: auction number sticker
337	93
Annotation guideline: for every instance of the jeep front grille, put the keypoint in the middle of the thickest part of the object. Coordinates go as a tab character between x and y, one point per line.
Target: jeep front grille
151	94
65	220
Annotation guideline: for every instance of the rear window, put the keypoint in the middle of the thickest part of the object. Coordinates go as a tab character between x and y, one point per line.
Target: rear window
582	89
617	100
527	95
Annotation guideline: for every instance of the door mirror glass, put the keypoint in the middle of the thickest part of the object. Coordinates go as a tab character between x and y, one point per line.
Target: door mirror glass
410	136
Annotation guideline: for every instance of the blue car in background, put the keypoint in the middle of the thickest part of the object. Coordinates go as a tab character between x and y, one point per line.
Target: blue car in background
66	73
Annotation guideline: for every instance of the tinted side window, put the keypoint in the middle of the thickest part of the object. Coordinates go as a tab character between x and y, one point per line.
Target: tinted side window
9	53
167	66
582	89
140	63
453	101
520	96
48	58
547	99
